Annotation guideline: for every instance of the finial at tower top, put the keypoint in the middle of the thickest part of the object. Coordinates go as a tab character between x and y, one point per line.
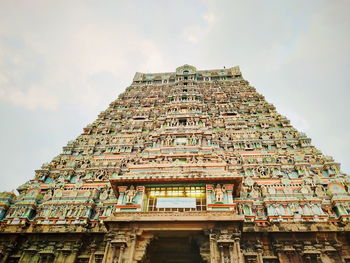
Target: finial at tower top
186	69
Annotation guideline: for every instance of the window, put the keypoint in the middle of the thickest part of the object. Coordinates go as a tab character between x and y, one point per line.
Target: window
197	192
185	72
183	122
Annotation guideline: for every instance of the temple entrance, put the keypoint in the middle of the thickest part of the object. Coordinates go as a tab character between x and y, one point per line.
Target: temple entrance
174	247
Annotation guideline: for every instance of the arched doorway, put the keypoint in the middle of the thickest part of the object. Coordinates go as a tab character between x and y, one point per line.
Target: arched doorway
175	247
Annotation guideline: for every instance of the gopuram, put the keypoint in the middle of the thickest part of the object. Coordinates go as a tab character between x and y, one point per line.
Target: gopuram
190	166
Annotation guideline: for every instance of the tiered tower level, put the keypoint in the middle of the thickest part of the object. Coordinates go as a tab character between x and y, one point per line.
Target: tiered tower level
187	166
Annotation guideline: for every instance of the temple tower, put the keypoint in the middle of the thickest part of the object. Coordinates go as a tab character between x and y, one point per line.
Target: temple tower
186	166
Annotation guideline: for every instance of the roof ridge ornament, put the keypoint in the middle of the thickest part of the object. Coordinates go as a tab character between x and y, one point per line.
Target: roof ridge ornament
186	69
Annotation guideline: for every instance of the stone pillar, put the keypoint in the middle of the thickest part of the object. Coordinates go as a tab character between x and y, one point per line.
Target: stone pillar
106	258
259	251
286	253
289	257
34	257
72	257
131	249
214	252
6	251
225	247
92	255
30	256
338	246
64	254
115	248
237	251
62	257
117	253
331	257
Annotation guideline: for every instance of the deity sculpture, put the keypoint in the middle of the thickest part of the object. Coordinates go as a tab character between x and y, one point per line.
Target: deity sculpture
244	191
219	193
264	191
48	195
130	194
320	191
104	194
254	193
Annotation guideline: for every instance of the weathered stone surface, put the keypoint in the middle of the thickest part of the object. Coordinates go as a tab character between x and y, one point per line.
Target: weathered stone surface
187	166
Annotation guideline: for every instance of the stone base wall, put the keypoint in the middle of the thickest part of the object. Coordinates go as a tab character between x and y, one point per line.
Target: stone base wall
216	245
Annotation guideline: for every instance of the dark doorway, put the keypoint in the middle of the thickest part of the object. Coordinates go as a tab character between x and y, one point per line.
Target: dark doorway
174	249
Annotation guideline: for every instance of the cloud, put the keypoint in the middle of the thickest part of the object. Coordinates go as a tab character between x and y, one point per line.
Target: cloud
195	33
64	68
209	18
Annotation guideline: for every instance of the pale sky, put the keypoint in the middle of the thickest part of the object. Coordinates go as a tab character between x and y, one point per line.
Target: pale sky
62	62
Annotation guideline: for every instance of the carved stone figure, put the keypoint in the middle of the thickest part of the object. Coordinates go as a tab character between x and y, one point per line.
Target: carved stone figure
264	191
244	191
104	194
176	136
130	194
219	193
48	195
320	191
254	193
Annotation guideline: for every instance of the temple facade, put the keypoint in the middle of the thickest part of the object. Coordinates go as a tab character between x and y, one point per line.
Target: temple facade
191	166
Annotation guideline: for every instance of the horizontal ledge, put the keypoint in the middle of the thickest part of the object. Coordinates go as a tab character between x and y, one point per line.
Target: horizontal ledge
174	216
174	179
